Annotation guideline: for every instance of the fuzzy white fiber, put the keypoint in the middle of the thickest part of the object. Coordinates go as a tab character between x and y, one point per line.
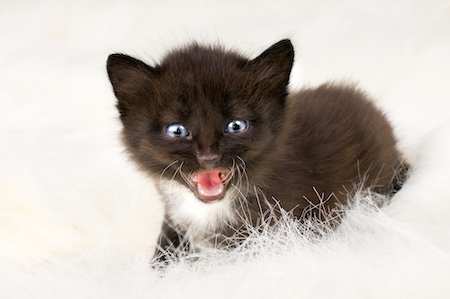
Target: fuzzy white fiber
77	220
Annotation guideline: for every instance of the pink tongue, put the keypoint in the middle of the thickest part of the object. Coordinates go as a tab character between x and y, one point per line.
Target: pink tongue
210	185
209	180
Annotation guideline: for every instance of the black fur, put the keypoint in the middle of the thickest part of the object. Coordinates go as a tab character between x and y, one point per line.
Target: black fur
317	142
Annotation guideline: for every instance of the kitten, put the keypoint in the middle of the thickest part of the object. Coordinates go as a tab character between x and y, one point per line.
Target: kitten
219	132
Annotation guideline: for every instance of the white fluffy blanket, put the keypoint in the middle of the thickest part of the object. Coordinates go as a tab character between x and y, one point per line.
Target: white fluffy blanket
78	221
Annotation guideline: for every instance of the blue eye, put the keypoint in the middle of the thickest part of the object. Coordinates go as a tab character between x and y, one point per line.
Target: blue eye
177	131
236	126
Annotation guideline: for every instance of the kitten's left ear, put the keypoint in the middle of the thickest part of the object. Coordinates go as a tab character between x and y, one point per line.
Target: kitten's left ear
275	63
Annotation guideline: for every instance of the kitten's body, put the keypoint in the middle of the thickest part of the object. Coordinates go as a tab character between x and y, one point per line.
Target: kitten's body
219	131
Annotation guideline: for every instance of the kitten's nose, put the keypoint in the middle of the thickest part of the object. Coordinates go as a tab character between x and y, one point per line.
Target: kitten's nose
209	160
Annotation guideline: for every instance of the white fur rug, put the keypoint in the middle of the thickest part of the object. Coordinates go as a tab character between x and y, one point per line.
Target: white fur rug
78	221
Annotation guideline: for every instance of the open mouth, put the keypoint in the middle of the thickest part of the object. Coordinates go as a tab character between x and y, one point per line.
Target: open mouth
210	185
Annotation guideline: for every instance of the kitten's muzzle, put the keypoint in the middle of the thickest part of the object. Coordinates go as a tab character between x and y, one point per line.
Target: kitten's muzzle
209	161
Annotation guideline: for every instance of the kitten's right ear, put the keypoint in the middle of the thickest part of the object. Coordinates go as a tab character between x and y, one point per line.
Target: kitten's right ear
274	65
129	76
279	56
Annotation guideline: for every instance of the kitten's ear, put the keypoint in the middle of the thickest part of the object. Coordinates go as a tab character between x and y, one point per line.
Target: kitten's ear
128	75
275	64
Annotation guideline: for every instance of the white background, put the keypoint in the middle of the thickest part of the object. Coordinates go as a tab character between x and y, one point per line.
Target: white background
78	221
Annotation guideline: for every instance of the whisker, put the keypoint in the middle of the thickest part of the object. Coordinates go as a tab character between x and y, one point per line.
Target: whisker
186	177
166	168
232	172
242	168
179	169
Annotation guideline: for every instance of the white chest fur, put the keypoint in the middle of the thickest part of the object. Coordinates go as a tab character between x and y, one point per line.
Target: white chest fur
200	220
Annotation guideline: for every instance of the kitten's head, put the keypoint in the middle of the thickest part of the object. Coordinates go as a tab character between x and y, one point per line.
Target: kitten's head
203	113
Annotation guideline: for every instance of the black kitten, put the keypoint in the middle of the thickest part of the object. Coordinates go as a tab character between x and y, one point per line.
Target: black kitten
217	130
